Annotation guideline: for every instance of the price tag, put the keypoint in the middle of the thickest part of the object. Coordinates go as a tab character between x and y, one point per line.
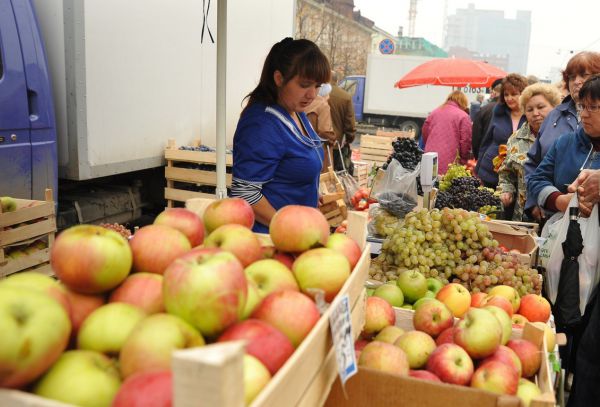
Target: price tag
343	340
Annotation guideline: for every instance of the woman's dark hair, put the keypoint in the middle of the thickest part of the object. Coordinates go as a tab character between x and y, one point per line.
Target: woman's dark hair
290	57
590	90
582	63
515	81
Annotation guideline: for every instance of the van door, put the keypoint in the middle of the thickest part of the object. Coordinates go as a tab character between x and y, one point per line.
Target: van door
355	86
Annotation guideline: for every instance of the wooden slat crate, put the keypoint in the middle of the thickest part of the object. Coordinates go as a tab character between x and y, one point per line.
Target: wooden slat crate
32	221
332	195
361	173
175	171
335	212
375	149
395	134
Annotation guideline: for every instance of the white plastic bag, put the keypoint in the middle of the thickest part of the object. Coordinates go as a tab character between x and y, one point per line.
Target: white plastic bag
588	260
548	238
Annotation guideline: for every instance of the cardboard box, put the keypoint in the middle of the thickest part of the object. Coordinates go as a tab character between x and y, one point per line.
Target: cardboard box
516	237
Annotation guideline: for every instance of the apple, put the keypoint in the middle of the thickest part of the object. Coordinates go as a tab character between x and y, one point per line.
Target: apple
185	221
527	391
389	334
446	336
496	377
150	344
507	356
424	375
106	329
41	282
390	293
420	301
418	346
384	357
451	364
456	297
291	312
7	204
285	258
154	247
146	389
535	308
359	345
228	211
413	285
80	306
477	299
504	320
378	315
500	302
509	293
479	333
253	298
345	245
529	355
296	229
144	290
270	275
236	239
82	378
256	377
518	320
264	342
208	291
549	334
434	285
90	259
407	306
35	330
199	252
323	269
432	317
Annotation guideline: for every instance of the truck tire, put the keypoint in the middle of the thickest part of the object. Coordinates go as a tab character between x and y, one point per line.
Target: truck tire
410	125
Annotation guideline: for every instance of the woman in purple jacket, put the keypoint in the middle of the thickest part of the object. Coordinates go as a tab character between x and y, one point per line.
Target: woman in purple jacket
447	131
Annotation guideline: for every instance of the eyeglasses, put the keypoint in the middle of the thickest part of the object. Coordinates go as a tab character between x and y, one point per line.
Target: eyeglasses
590	108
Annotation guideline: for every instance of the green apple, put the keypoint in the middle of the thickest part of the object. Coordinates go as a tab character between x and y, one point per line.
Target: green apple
256	377
252	300
8	204
527	391
34	331
41	282
389	334
407	306
321	268
429	294
370	292
413	285
391	293
420	301
106	328
434	285
82	378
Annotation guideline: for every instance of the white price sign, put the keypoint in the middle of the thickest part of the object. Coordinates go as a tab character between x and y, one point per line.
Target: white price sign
343	340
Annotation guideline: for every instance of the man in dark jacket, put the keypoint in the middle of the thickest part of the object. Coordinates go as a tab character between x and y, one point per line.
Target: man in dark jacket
344	127
481	121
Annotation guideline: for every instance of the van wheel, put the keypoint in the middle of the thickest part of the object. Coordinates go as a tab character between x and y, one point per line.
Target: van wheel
412	126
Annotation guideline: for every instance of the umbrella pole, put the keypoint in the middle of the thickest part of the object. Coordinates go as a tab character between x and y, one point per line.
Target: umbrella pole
221	135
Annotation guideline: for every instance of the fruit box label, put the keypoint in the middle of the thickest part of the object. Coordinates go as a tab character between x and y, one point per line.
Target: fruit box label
343	340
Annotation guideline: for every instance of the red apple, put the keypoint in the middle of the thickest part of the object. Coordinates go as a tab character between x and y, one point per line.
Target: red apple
529	355
185	221
236	239
144	290
256	377
384	357
432	317
418	346
503	319
496	377
345	245
446	336
82	305
509	293
500	302
265	342
535	308
146	389
451	364
518	320
527	391
456	297
359	345
323	269
228	211
208	291
507	356
41	282
292	312
378	315
477	298
389	334
269	276
479	333
90	259
285	258
296	228
154	247
153	340
424	375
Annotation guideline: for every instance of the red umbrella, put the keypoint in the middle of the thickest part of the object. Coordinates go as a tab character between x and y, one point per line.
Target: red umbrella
452	72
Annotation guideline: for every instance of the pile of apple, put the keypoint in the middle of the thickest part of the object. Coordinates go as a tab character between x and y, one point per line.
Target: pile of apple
459	339
104	333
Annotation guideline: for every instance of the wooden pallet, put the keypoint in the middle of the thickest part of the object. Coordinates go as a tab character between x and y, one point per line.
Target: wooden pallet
175	171
33	221
375	150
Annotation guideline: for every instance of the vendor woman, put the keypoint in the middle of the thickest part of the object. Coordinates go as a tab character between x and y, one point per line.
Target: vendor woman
277	156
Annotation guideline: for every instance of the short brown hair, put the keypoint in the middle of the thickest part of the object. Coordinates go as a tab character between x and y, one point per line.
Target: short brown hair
512	80
581	63
548	91
459	98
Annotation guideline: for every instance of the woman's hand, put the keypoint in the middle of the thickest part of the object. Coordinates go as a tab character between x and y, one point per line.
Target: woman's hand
506	198
537	213
562	202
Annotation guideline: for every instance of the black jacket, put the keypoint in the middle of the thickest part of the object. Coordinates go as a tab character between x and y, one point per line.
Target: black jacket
481	122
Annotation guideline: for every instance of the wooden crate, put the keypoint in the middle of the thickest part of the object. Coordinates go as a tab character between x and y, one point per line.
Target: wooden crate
335	212
375	150
175	171
361	173
395	134
32	221
332	194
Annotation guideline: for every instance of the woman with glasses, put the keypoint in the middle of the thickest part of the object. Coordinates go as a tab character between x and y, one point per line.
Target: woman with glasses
564	119
536	102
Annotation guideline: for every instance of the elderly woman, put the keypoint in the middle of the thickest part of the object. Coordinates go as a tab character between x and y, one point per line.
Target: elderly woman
536	102
506	119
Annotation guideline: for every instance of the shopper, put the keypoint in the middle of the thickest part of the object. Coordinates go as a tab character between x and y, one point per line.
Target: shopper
319	115
447	131
482	119
277	156
476	106
344	126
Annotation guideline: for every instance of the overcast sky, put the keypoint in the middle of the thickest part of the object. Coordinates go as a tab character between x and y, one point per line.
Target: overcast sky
557	27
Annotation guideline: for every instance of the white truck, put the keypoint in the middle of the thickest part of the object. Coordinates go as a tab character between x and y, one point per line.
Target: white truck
378	102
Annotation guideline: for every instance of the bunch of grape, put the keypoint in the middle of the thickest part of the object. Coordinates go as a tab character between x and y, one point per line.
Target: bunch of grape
407	152
120	229
383	222
452	245
467	193
454	171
